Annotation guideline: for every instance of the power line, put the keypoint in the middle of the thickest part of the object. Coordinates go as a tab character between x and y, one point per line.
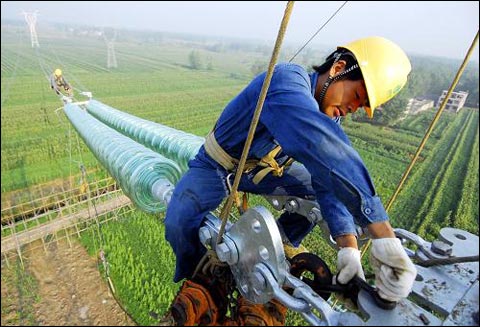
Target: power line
331	17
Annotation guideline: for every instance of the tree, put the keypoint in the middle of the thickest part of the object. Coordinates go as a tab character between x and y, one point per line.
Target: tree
194	59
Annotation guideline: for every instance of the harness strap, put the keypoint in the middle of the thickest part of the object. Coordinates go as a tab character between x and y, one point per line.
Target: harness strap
269	163
215	151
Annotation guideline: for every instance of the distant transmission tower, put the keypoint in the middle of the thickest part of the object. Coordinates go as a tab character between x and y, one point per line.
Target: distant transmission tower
31	19
111	59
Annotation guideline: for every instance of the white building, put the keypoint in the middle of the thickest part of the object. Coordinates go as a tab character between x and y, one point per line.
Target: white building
455	102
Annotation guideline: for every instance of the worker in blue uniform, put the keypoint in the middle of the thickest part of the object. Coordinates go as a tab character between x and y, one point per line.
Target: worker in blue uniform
300	122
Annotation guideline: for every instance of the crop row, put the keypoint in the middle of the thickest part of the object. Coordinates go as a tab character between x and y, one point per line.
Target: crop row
435	187
466	208
448	181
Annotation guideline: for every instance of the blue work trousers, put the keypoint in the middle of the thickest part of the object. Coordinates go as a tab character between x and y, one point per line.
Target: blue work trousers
204	187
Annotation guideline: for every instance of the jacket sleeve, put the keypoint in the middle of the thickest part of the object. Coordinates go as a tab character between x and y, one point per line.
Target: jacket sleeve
341	181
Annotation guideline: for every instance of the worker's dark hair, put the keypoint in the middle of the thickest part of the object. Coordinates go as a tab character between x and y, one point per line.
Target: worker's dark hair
346	55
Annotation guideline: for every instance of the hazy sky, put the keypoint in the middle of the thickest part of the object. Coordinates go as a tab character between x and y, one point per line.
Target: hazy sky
441	28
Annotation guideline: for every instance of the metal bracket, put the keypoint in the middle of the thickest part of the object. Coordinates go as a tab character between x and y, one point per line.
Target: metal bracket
311	210
253	248
87	94
256	239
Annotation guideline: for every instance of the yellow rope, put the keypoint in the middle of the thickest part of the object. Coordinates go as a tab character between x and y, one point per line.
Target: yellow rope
256	116
429	130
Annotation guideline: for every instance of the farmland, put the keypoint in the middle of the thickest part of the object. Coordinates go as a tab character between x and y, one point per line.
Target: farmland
154	81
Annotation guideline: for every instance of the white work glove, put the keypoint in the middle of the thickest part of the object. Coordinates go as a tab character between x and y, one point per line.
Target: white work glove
394	271
349	265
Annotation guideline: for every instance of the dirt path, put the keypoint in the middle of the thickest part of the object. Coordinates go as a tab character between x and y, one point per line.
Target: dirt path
68	290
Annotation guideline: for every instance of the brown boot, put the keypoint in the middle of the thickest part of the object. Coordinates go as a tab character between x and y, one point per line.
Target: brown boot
192	306
203	299
271	313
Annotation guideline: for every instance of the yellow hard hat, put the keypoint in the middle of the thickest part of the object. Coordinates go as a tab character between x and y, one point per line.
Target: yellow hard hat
384	66
58	72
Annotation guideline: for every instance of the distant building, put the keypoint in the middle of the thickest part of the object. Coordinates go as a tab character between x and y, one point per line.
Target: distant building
455	102
415	106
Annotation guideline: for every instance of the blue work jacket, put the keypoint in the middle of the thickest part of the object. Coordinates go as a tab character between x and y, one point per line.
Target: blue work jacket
328	168
291	118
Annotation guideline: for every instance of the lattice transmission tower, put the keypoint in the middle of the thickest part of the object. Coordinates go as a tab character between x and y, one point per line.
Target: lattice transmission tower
111	58
31	19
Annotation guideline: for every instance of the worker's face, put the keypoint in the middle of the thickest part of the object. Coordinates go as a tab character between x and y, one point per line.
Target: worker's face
344	96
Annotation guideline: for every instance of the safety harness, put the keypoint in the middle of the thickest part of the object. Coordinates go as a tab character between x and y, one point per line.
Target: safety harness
264	165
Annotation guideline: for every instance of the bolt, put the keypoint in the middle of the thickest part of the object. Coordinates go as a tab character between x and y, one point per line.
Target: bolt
424	319
263	252
256	226
227	252
205	235
291	205
276	203
223	252
315	216
442	248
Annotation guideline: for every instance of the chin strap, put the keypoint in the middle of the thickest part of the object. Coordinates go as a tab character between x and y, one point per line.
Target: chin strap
332	79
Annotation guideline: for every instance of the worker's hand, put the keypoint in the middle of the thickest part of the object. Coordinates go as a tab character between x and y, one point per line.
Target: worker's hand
348	265
394	271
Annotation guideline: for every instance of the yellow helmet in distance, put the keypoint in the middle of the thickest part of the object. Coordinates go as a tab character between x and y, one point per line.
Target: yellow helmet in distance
384	66
58	72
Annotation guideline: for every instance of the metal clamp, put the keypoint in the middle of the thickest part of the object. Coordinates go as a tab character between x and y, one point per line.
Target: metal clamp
253	248
425	249
311	210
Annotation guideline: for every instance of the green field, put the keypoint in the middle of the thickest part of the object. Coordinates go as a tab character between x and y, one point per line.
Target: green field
154	81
